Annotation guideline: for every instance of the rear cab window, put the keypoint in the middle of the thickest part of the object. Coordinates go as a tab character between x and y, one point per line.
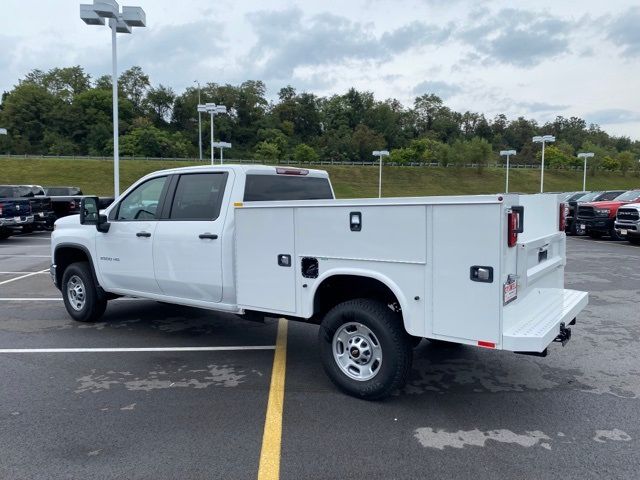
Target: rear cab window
198	196
277	187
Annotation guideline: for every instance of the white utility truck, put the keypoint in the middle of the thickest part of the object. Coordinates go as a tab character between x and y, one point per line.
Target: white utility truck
377	275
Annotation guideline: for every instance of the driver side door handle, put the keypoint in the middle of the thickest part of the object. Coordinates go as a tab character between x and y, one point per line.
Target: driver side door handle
210	236
143	234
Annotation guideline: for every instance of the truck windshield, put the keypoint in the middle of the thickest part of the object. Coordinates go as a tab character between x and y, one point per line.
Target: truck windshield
61	191
629	196
262	188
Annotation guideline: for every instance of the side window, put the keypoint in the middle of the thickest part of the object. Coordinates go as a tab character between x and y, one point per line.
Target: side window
142	202
198	196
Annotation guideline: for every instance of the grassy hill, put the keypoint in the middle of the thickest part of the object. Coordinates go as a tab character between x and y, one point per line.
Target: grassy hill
96	177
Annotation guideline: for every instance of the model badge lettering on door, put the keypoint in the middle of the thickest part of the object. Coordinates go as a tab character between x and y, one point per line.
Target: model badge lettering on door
110	259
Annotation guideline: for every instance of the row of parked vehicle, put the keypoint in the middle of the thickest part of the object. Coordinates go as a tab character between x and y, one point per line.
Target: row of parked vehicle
613	213
25	208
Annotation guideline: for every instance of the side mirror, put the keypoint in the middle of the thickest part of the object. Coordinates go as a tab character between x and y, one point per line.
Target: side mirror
89	211
90	214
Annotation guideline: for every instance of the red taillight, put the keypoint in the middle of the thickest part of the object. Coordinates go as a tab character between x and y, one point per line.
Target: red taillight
515	224
512	233
291	171
482	343
564	210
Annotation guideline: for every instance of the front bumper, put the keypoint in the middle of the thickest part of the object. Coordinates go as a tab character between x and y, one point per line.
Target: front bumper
595	224
627	229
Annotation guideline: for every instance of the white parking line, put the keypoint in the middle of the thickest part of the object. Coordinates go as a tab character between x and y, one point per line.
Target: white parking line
143	349
22	276
23	256
20	273
59	299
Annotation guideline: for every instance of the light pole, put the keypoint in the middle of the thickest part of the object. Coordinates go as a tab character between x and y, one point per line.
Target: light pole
3	131
222	146
199	121
507	153
119	22
584	176
543	139
212	109
380	154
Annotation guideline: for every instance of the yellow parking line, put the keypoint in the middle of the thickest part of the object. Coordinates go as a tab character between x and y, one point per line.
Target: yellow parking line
269	468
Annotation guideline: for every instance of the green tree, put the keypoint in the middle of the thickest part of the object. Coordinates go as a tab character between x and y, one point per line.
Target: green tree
303	153
626	161
267	151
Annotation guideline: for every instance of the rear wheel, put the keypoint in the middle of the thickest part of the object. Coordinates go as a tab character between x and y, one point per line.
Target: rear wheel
83	301
364	348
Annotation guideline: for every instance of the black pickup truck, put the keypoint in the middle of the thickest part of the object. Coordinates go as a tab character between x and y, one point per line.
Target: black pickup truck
570	224
14	213
66	200
41	210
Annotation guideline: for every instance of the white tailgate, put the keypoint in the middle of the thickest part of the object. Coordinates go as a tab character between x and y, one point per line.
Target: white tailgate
532	321
262	234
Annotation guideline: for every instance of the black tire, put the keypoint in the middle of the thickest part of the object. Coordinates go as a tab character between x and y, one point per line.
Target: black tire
595	235
634	240
4	234
614	235
415	341
393	340
94	302
28	229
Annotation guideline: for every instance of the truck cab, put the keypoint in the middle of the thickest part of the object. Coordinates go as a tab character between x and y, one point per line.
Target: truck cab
377	275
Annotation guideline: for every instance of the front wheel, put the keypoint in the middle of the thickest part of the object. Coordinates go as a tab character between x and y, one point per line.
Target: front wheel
614	235
83	301
634	240
364	348
595	235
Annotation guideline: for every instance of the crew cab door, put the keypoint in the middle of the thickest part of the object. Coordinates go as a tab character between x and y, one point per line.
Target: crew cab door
187	246
125	253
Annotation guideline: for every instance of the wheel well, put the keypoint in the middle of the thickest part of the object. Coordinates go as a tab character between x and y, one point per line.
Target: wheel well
65	256
340	288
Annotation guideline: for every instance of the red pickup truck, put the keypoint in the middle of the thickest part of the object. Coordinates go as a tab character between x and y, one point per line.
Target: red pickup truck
597	218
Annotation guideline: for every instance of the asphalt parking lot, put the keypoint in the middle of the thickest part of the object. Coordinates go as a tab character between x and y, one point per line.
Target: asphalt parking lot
193	403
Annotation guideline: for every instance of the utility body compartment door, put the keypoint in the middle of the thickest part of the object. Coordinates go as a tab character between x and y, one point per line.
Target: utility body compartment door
265	259
464	237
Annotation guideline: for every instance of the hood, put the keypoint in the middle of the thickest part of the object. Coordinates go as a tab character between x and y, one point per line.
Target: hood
607	204
632	205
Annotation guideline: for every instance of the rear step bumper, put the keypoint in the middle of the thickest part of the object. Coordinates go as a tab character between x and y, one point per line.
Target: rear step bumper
540	318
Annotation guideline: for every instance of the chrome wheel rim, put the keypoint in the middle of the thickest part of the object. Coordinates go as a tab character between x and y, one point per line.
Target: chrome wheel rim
76	294
357	351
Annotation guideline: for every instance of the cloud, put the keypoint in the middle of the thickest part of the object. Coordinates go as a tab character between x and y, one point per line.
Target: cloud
613	115
442	89
521	38
624	31
286	40
539	107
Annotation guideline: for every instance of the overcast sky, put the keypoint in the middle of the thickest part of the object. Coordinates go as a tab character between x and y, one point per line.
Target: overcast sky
537	58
